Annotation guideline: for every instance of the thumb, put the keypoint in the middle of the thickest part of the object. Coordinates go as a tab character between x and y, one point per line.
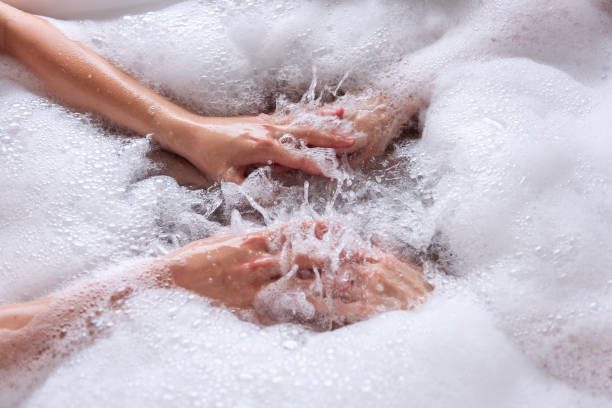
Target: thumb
332	111
233	175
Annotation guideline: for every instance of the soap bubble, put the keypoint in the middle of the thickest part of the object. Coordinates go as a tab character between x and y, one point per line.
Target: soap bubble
504	200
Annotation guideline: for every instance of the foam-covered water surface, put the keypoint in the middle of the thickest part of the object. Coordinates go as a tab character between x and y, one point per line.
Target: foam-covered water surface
505	198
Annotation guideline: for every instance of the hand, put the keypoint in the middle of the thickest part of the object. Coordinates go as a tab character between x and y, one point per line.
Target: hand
336	280
232	269
229	270
374	120
307	272
223	148
377	282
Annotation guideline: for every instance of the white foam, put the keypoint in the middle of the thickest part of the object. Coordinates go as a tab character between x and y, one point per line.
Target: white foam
206	357
509	186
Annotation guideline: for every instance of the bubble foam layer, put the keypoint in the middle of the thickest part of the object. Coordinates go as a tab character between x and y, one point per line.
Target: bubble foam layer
506	199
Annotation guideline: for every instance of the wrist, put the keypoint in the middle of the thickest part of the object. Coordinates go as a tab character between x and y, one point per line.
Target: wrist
168	130
6	15
176	132
15	317
205	142
193	268
185	259
2	33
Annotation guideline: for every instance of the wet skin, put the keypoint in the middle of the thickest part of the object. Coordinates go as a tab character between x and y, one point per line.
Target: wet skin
220	147
232	270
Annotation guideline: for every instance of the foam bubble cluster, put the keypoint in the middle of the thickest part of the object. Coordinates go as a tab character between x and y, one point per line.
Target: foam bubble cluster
505	200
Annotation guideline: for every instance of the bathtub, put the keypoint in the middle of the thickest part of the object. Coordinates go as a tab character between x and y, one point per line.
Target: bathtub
86	9
505	197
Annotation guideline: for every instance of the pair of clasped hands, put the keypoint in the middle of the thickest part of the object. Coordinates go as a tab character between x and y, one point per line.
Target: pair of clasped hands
247	273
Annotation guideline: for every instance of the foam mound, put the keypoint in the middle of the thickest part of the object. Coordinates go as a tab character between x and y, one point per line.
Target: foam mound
506	198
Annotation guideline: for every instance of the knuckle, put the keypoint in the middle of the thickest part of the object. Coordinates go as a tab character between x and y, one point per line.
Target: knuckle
264	144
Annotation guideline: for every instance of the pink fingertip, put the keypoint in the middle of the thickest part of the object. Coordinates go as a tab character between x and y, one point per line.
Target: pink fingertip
340	112
348	142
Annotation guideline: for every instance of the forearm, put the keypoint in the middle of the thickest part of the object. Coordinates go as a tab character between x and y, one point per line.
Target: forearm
165	270
41	328
86	81
3	22
17	316
68	319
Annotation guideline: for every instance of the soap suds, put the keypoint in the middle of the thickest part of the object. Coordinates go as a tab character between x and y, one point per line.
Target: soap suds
506	199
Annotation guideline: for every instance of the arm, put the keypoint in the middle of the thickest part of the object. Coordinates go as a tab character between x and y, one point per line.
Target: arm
219	147
15	317
256	275
84	80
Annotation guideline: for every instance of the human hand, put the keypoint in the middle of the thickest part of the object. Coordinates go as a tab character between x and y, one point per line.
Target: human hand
372	118
309	272
229	270
232	269
336	279
377	282
223	148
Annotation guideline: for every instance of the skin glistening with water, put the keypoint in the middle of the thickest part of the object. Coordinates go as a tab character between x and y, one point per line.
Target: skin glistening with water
220	147
237	272
233	271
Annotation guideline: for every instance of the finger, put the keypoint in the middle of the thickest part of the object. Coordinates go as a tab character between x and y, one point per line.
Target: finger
341	312
414	283
320	138
264	267
392	282
332	111
403	266
385	286
353	312
233	175
285	231
278	169
294	159
359	255
321	228
332	138
308	261
257	241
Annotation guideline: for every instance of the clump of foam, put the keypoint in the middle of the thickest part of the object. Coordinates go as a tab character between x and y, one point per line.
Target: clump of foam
237	58
82	193
508	189
204	356
519	198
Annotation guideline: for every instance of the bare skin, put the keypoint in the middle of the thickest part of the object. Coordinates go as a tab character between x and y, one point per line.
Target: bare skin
240	272
221	148
377	117
232	270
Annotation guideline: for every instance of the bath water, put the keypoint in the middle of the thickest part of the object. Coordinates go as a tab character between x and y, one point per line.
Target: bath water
506	198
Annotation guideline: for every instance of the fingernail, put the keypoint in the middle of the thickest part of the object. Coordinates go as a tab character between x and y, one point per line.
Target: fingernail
349	141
